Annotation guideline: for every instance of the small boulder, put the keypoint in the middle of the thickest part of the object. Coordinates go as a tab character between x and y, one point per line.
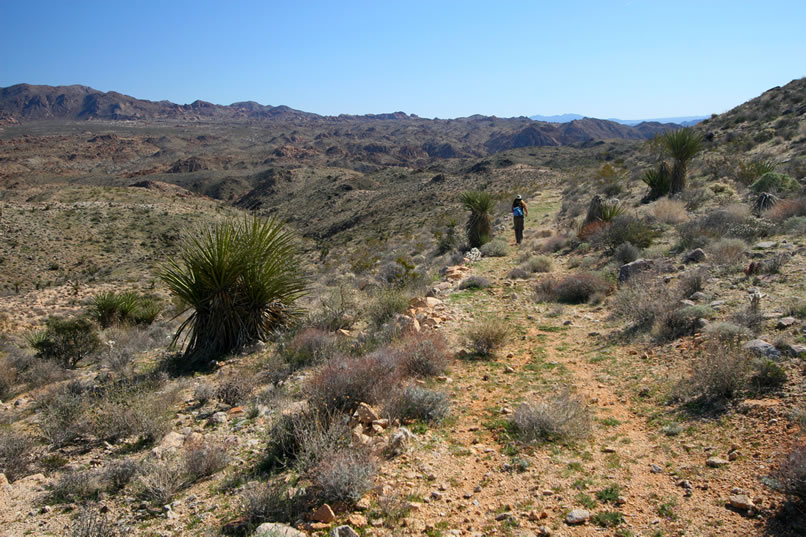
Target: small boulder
631	269
716	462
343	531
219	418
796	350
765	245
366	414
742	502
762	348
275	529
786	322
324	514
695	256
577	516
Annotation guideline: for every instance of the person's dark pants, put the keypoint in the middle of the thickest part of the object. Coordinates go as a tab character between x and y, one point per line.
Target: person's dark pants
518	229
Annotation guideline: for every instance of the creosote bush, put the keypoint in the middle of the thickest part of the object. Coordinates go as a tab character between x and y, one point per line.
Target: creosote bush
67	341
575	288
540	263
241	280
626	253
624	228
560	417
727	251
486	336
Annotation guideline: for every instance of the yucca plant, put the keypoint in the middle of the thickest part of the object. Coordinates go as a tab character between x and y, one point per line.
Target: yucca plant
241	279
109	308
658	180
612	209
683	144
478	226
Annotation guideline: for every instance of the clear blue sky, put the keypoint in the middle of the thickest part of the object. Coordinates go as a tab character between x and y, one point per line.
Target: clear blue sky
626	58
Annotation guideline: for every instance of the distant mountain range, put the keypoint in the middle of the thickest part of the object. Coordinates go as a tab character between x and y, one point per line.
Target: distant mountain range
685	121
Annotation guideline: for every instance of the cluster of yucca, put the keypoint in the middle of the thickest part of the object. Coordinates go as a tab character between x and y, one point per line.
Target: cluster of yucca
241	279
682	144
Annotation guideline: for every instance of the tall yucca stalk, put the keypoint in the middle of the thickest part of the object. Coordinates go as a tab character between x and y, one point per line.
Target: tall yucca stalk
478	226
241	279
683	144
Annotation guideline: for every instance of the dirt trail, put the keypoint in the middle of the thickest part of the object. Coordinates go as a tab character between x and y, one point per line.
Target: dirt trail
471	479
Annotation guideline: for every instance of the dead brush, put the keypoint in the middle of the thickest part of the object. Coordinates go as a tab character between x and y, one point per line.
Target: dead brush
559	417
343	476
424	354
485	337
15	453
205	460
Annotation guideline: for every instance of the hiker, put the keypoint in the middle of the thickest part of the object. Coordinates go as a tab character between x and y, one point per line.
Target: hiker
519	212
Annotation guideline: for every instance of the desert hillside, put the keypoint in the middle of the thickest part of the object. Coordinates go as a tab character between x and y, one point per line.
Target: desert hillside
634	367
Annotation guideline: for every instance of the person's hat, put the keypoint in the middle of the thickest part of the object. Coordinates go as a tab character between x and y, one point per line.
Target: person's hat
518	197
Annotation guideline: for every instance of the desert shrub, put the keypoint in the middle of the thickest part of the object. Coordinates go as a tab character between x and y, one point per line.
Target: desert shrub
540	263
774	182
681	322
775	263
486	336
271	502
142	409
15	453
205	460
731	221
575	288
76	486
785	209
385	305
727	331
750	171
692	281
235	388
727	251
555	243
719	371
668	211
768	375
475	282
608	519
8	378
795	225
343	476
118	473
160	480
791	475
204	392
92	523
24	368
559	417
309	346
67	341
61	415
626	253
495	248
478	226
420	404
342	383
301	439
241	279
109	308
624	228
643	300
589	229
424	355
336	310
519	273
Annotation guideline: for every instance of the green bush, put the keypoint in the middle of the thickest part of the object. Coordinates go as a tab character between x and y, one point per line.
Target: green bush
774	182
385	305
110	308
495	248
681	322
625	228
241	279
67	341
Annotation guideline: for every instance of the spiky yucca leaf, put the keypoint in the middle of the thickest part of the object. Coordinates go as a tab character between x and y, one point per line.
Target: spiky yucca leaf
658	180
478	226
241	279
612	209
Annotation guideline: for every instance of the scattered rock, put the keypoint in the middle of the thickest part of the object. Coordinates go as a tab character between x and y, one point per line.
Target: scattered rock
655	469
577	516
785	323
796	350
363	504
343	531
544	531
608	449
716	462
366	414
219	418
170	443
357	520
765	245
699	295
506	515
324	514
741	501
274	529
406	324
762	348
694	256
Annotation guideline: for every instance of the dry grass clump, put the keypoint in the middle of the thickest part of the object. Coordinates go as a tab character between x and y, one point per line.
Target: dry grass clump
540	263
160	480
668	211
424	354
343	476
559	417
732	221
786	209
719	372
235	388
61	414
15	454
418	404
92	523
555	243
23	371
205	460
643	300
577	288
727	251
486	336
385	305
339	309
76	486
344	382
495	248
519	273
727	331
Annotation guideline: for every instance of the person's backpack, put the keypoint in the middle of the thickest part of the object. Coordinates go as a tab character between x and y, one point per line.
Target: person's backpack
517	210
